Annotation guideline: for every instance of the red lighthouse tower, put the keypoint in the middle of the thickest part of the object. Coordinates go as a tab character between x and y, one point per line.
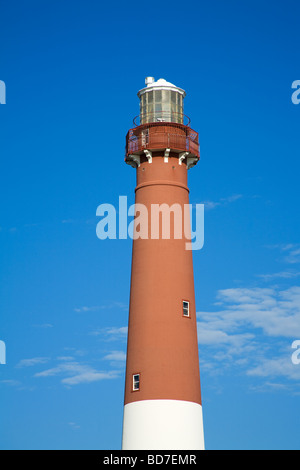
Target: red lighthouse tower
162	392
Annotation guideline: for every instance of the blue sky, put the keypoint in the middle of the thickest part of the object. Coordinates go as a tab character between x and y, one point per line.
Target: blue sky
72	71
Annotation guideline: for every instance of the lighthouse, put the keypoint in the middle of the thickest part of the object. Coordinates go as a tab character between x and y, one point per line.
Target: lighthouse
162	407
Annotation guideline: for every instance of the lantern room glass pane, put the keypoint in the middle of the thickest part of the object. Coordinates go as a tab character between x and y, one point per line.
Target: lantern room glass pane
165	96
161	106
158	96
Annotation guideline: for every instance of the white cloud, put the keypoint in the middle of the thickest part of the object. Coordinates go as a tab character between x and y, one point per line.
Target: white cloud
88	377
253	329
74	426
122	331
43	325
222	202
210	334
279	275
116	356
280	366
114	304
291	252
11	382
88	309
276	312
76	373
293	257
32	362
112	334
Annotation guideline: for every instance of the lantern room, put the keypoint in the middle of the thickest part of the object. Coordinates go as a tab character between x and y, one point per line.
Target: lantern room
161	101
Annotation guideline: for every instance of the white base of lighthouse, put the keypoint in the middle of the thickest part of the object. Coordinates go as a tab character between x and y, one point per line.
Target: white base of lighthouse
163	425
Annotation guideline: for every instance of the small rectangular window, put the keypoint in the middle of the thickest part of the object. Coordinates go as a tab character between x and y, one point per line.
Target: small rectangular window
135	382
185	308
